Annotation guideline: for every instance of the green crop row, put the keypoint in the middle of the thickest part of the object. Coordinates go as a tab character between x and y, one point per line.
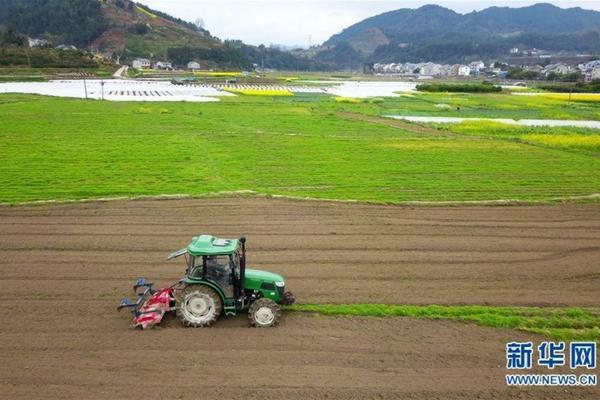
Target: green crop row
555	323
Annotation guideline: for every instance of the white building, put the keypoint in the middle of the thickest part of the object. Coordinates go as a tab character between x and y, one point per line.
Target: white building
429	69
534	68
589	65
193	65
587	69
141	63
66	47
558	68
595	74
477	66
163	65
464	70
37	42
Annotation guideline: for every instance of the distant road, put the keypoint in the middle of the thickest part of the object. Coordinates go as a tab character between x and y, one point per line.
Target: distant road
120	74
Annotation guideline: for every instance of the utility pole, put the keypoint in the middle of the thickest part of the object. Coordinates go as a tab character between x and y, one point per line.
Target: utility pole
102	86
85	86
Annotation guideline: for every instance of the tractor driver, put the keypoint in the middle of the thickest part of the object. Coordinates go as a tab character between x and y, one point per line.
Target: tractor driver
218	268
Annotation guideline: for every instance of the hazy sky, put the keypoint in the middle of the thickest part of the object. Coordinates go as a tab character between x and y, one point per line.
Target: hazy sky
294	22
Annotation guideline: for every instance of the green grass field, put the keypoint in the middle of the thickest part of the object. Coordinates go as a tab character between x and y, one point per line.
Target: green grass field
302	146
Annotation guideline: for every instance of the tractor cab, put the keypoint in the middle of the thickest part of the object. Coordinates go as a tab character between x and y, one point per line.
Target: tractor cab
215	261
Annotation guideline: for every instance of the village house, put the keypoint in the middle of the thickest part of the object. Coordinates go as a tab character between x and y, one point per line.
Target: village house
558	68
66	47
141	63
476	67
454	69
534	68
163	65
193	66
37	42
590	70
427	69
464	70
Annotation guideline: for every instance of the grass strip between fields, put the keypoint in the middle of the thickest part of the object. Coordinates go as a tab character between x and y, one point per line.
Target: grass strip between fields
556	323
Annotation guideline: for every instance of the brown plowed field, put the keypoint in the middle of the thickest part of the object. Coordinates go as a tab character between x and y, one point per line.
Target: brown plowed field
65	267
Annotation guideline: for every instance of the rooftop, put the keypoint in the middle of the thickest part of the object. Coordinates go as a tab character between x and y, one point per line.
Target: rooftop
208	245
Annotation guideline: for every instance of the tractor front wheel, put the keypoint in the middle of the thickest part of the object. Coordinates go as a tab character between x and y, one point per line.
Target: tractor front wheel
264	313
199	306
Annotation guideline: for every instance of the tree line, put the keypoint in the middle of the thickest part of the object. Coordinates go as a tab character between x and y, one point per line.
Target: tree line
75	22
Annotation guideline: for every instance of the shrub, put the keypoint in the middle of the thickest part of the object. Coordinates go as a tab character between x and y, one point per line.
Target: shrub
347	100
459	87
580	87
140	29
520	73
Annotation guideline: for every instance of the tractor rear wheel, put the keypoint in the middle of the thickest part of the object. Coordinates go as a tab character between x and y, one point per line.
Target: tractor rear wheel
198	305
264	313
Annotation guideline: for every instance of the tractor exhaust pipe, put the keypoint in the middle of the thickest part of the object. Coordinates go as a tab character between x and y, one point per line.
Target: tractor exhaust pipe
243	263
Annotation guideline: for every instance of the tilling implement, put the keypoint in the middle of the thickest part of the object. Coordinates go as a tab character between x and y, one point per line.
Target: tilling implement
216	282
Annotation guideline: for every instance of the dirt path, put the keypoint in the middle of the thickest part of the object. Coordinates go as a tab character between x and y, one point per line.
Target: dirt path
121	72
396	123
65	267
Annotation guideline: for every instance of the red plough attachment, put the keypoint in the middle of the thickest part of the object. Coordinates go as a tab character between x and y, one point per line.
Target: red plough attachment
151	305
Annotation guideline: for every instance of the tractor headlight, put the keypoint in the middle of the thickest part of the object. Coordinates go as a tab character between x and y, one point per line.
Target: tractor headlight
280	284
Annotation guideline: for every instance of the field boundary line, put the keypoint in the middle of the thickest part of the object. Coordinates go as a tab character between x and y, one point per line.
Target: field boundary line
396	123
251	193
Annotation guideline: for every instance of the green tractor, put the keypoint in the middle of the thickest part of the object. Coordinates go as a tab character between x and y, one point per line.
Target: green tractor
216	282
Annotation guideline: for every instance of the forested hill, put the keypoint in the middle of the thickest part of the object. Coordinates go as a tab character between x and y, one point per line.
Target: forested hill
128	30
120	26
434	33
75	22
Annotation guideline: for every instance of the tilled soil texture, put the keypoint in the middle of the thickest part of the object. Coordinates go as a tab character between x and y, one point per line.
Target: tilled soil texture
329	252
85	351
65	267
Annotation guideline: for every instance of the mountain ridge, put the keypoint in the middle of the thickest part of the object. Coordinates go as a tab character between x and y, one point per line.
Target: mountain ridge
418	35
124	30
